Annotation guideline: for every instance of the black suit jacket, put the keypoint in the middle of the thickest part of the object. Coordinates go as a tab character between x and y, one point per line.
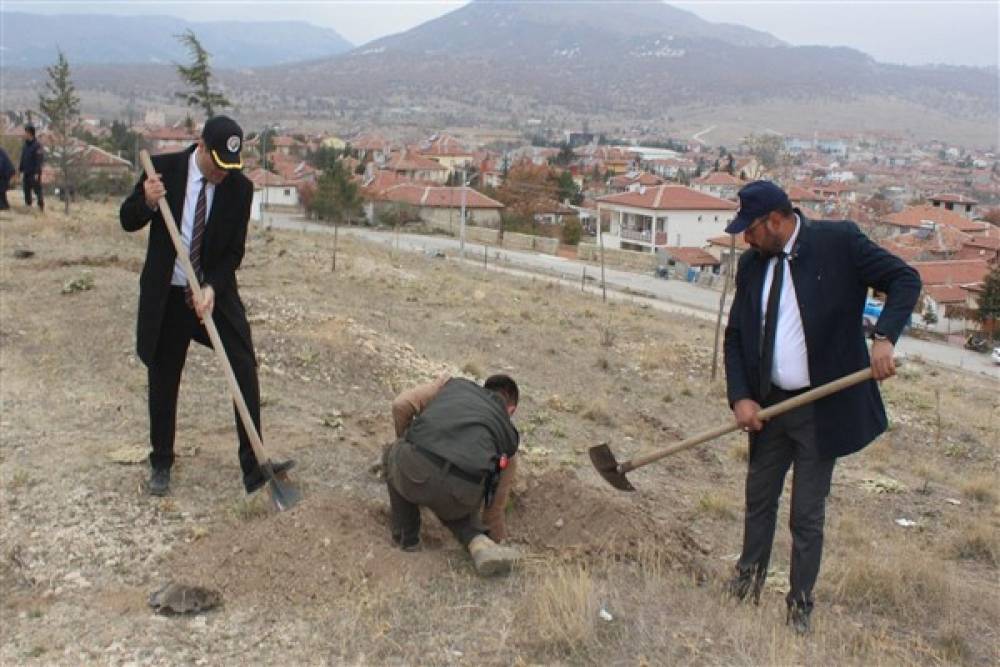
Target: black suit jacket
832	265
222	247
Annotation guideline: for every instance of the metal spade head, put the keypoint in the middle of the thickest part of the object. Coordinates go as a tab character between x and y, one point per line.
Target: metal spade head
284	493
605	464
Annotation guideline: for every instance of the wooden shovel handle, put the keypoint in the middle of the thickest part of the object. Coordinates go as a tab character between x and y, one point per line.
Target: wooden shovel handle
765	414
213	332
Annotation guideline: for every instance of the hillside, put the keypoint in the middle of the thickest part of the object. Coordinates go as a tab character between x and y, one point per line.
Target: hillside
30	40
83	546
643	70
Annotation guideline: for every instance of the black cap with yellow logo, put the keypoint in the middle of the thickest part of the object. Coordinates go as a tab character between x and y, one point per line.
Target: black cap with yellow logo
223	139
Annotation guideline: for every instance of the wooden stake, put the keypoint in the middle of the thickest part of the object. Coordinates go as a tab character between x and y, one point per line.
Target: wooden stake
722	304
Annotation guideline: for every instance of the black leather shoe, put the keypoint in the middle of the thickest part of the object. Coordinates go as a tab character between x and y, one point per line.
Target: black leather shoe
259	478
743	584
159	482
798	618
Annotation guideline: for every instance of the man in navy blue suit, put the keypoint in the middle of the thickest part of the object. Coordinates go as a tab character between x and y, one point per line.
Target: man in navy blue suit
796	323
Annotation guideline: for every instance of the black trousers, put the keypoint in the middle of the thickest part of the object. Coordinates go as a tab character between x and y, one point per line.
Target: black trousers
414	481
180	327
786	441
4	184
32	183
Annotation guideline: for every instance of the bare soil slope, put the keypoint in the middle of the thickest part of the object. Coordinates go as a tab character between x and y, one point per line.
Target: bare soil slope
82	546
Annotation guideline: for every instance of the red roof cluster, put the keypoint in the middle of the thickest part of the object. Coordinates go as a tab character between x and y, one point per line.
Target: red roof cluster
670	198
437	197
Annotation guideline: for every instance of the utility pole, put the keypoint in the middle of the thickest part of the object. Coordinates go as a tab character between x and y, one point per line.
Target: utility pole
461	233
263	206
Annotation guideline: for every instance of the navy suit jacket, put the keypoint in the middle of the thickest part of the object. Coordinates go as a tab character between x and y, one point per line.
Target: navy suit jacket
832	266
222	247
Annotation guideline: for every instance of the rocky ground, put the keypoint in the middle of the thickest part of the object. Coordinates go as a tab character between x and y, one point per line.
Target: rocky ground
609	578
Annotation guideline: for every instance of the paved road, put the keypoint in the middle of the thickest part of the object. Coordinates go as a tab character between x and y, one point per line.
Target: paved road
674	296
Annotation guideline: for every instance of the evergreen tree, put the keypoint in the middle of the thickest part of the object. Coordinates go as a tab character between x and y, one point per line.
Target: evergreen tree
62	106
989	302
198	75
337	199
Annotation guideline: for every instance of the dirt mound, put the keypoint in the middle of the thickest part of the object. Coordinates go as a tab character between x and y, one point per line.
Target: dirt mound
314	552
331	544
559	514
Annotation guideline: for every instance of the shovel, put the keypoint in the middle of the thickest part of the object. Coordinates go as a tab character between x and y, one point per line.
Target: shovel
284	494
612	471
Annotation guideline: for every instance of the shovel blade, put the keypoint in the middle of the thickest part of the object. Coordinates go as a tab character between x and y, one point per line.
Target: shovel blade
607	466
284	493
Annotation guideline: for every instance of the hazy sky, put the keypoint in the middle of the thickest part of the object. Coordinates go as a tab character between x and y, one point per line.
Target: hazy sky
956	32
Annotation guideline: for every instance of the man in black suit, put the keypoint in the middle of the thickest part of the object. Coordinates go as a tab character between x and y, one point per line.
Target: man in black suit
210	198
796	323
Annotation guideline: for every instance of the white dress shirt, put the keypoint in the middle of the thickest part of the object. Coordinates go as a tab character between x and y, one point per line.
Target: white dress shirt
195	177
791	363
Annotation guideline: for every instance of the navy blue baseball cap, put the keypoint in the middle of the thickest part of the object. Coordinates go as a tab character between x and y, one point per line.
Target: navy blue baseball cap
757	199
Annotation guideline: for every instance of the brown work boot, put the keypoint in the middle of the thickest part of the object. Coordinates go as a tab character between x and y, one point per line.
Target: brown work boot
490	558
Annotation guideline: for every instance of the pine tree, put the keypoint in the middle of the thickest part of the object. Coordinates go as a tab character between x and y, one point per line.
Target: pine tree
337	199
198	75
988	312
62	106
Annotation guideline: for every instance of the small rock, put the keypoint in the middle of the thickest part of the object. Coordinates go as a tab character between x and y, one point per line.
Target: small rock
560	523
605	615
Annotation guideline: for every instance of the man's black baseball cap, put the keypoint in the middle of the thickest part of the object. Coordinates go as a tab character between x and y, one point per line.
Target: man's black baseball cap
757	199
223	139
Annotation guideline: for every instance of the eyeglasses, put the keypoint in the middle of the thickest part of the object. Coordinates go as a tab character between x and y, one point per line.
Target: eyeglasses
756	223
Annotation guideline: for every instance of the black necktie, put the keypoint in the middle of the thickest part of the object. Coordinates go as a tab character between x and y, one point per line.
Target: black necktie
771	325
197	233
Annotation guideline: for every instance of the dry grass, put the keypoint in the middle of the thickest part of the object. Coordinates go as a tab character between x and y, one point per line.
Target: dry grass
977	542
598	412
739	452
561	607
886	595
473	369
250	508
982	488
715	506
889	580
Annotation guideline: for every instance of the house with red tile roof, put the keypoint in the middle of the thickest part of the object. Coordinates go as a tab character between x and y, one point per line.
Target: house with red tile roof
908	254
416	167
939	242
551	212
801	196
633	180
688	262
440	206
291	168
169	139
926	216
371	146
651	218
99	161
718	247
952	272
983	246
447	151
944	289
286	145
718	184
954	202
273	189
837	192
670	167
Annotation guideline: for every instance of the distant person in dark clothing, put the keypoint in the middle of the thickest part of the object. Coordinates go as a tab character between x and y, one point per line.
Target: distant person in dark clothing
6	172
32	156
